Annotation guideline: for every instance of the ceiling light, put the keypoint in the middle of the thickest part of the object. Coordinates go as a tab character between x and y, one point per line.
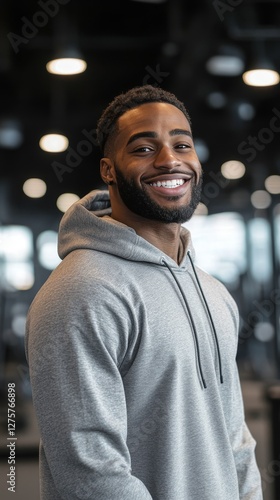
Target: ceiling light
47	249
233	169
216	100
66	66
16	243
11	136
261	199
202	150
201	209
246	111
19	324
64	201
19	275
54	143
272	184
261	77
259	242
225	65
264	331
34	188
276	212
261	72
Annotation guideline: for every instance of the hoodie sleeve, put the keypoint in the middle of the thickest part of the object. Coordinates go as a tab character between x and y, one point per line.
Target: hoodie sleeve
243	445
75	345
242	441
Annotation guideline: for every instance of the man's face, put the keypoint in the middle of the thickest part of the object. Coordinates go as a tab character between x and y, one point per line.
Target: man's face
155	167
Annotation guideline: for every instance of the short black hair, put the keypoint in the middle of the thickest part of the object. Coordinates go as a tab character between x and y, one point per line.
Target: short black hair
131	99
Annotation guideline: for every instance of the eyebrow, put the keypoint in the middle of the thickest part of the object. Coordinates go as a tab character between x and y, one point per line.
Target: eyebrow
180	131
154	135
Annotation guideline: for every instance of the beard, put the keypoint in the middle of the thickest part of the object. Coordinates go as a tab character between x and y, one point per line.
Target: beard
138	201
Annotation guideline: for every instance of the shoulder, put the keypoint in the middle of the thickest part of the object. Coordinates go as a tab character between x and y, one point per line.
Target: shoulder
84	268
217	291
84	281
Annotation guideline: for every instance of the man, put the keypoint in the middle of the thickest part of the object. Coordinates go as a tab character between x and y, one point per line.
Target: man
131	347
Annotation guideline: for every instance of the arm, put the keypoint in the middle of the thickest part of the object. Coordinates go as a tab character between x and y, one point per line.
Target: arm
243	446
242	443
75	352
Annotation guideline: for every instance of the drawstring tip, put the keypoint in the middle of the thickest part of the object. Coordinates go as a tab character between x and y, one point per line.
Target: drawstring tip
221	379
204	383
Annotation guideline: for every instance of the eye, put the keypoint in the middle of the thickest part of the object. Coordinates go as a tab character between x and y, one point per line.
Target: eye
143	149
182	146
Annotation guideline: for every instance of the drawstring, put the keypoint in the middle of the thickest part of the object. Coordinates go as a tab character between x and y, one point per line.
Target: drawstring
192	324
210	318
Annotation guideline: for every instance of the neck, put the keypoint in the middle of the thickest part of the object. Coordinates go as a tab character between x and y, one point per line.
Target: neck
165	237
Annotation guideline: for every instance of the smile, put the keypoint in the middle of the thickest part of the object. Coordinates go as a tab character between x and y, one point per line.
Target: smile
168	184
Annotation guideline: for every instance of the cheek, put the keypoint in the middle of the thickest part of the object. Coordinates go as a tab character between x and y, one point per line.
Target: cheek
195	160
128	172
194	163
133	169
197	165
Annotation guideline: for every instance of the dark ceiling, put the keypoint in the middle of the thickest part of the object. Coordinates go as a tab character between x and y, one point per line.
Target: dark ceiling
130	43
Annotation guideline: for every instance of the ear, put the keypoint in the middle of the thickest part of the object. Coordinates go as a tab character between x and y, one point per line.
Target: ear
107	171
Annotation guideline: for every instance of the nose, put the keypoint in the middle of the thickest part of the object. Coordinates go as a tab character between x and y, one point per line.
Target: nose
166	159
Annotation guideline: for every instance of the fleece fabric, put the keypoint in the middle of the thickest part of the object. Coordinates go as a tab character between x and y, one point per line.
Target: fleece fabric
118	341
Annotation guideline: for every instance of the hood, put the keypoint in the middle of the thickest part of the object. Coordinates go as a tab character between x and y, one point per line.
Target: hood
87	225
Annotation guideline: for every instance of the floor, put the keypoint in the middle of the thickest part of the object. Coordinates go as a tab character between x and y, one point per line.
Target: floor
258	413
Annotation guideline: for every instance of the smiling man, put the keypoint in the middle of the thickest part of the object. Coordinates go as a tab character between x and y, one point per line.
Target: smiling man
131	346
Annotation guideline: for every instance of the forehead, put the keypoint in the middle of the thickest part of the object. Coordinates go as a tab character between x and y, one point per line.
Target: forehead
152	116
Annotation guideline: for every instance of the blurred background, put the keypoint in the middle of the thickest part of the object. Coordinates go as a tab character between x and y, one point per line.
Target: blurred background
61	63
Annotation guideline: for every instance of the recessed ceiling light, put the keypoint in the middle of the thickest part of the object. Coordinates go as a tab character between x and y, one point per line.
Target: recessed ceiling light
201	209
225	65
216	100
47	249
66	66
260	199
246	111
54	143
272	184
202	150
276	212
264	331
11	135
65	200
34	188
233	169
261	77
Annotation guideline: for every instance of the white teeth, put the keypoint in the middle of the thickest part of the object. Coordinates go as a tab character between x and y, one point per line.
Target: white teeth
168	184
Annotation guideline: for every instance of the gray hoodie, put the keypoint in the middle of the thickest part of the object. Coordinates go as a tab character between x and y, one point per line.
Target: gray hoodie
133	371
